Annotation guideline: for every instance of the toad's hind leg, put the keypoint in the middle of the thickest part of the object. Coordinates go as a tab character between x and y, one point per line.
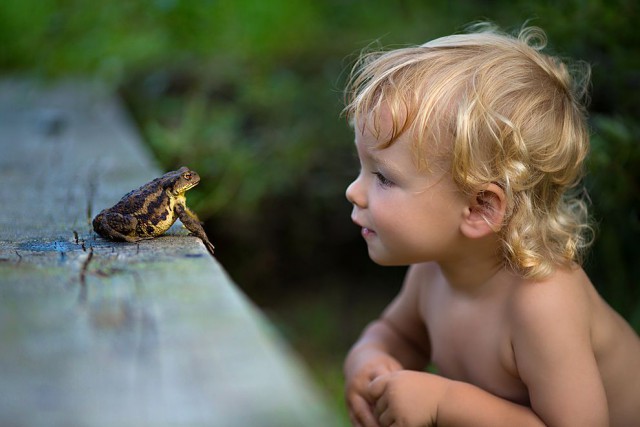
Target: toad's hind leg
116	226
192	223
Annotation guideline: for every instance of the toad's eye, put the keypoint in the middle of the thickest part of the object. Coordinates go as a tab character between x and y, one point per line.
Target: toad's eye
383	180
187	176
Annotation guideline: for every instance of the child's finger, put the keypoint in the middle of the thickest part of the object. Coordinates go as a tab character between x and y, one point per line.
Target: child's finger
361	413
380	410
377	387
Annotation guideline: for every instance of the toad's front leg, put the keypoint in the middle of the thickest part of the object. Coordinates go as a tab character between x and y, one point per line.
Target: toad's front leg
192	223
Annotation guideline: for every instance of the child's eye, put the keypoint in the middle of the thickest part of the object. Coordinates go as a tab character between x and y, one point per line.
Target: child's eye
383	180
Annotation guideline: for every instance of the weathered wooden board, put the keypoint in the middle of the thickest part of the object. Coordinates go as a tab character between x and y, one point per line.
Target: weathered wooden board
97	333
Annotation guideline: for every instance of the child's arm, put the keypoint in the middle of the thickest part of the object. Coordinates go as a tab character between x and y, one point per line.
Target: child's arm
552	342
415	399
555	359
382	348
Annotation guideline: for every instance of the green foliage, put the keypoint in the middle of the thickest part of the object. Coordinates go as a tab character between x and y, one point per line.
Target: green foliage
614	182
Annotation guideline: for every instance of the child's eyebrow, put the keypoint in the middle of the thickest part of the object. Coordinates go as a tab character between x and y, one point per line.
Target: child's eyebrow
389	166
367	153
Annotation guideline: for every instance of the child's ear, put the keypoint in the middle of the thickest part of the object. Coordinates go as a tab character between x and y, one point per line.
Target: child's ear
485	213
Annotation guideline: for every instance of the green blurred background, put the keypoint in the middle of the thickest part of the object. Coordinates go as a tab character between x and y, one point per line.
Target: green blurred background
249	94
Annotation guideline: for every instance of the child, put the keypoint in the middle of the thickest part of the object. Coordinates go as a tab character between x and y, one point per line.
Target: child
469	146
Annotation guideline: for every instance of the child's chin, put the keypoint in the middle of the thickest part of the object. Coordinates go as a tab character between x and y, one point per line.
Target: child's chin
384	261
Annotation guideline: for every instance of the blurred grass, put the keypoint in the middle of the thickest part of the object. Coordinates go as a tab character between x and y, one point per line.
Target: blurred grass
248	93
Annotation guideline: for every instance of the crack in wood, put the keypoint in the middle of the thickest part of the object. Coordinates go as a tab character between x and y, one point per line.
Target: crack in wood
82	297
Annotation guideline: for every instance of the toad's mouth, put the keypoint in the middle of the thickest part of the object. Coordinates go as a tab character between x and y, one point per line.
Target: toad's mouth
186	188
191	185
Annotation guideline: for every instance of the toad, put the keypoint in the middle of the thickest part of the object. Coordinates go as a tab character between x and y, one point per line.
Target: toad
152	209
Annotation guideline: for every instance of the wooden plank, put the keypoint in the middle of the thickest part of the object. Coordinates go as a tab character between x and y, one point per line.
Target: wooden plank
97	333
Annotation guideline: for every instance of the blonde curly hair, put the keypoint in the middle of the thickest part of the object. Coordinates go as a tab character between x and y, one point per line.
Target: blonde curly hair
515	116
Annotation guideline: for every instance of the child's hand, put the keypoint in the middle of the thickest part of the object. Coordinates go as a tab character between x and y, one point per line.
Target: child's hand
407	398
359	402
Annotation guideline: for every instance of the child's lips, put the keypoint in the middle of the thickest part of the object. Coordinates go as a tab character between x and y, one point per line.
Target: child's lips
367	232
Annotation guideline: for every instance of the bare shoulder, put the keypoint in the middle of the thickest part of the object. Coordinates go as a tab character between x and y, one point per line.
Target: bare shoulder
567	293
567	300
567	296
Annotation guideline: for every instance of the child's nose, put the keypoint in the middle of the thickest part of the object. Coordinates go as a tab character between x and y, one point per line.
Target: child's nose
354	193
